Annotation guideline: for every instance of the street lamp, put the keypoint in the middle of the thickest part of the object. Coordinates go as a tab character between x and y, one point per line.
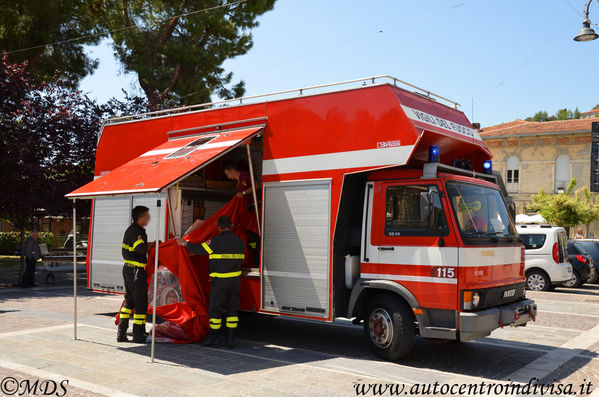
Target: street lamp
586	33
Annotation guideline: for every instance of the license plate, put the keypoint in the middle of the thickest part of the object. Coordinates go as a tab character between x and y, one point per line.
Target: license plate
509	293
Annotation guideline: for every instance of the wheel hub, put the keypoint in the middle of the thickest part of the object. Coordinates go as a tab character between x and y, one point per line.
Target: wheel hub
536	282
380	326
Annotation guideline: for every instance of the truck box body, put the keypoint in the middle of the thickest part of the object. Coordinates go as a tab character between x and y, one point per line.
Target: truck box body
334	164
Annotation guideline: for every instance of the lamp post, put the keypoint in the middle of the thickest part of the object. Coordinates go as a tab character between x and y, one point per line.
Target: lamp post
586	33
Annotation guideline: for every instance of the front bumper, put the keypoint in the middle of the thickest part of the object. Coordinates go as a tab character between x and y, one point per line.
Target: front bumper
474	325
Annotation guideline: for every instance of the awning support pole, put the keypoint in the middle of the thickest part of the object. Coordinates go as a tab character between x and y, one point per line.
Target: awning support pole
158	204
253	187
74	269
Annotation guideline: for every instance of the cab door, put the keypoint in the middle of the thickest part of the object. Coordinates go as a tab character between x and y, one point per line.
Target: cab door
411	241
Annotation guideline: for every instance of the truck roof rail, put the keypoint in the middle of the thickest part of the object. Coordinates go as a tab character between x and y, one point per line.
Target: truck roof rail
366	81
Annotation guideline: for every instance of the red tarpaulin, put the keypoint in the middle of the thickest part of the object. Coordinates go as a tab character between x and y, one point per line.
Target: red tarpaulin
187	321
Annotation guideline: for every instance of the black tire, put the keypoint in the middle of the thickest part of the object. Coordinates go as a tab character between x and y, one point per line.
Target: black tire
595	278
386	313
537	280
574	283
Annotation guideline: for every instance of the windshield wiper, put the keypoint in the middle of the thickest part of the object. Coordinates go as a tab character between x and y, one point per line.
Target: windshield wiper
493	235
474	233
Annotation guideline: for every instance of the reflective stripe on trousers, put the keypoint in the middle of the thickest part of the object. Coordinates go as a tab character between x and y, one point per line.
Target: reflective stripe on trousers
225	275
215	323
232	322
125	313
139	319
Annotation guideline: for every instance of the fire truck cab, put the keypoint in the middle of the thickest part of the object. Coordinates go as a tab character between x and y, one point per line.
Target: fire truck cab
377	202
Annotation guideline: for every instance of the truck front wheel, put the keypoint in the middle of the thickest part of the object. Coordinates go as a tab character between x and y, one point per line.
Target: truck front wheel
389	327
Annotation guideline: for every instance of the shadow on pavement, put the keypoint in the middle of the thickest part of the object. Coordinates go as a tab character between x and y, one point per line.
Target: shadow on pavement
271	342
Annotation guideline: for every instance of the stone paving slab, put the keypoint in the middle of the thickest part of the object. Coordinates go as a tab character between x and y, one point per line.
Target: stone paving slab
21	377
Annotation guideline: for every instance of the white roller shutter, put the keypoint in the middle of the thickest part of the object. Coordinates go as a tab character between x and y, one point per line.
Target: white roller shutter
296	248
111	216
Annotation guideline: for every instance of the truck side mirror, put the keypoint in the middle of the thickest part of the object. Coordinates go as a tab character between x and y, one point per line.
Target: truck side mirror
511	207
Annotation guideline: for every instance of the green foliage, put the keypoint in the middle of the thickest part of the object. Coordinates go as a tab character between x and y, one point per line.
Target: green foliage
562	114
180	58
176	51
568	209
10	241
541	115
25	24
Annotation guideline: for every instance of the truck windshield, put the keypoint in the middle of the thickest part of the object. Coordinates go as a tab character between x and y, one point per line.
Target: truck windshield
481	213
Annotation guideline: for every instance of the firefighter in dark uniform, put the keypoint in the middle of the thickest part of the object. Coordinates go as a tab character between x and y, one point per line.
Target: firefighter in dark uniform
135	250
226	252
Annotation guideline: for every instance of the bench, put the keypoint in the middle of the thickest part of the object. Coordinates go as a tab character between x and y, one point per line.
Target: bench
60	262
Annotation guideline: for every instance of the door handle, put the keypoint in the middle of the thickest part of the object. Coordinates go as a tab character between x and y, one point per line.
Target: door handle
386	248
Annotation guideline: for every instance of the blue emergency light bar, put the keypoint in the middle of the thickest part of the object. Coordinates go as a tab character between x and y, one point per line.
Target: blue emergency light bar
488	167
434	154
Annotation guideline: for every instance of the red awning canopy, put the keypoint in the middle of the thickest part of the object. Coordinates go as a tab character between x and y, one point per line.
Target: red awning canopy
165	164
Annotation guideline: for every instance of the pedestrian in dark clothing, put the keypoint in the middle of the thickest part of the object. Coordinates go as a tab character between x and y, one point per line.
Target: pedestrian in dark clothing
32	255
135	251
226	252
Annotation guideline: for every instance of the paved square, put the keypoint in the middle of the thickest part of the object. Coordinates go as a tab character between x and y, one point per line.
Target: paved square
278	356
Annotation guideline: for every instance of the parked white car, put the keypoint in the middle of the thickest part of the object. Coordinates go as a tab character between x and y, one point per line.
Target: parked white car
546	263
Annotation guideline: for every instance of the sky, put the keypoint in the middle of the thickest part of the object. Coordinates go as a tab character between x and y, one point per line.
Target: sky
501	60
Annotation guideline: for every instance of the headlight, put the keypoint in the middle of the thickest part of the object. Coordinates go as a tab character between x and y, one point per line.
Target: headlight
471	300
475	300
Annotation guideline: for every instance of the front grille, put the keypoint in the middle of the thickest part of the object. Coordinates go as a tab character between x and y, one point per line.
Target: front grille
495	296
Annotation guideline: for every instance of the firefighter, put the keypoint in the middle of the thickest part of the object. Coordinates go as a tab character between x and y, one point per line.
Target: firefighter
226	254
243	186
135	249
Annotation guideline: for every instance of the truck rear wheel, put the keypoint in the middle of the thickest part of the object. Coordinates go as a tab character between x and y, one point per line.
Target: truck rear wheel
389	327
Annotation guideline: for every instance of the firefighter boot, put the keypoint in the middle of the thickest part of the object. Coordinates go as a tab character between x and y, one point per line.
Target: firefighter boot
212	339
121	334
139	333
230	338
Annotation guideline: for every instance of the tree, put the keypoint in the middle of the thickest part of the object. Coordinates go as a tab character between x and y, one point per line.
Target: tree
48	136
589	206
541	115
179	58
568	209
32	24
561	114
559	209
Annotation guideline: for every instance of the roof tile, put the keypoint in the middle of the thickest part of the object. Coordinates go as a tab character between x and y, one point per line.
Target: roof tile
523	127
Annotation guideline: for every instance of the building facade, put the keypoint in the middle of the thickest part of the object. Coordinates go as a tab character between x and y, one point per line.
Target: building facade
541	155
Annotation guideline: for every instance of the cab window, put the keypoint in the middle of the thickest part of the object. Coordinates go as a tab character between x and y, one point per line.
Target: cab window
414	210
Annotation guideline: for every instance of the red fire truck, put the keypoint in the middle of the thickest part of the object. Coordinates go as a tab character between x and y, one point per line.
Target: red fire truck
378	203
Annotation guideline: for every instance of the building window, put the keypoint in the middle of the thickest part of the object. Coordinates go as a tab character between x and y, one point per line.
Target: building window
562	173
513	174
